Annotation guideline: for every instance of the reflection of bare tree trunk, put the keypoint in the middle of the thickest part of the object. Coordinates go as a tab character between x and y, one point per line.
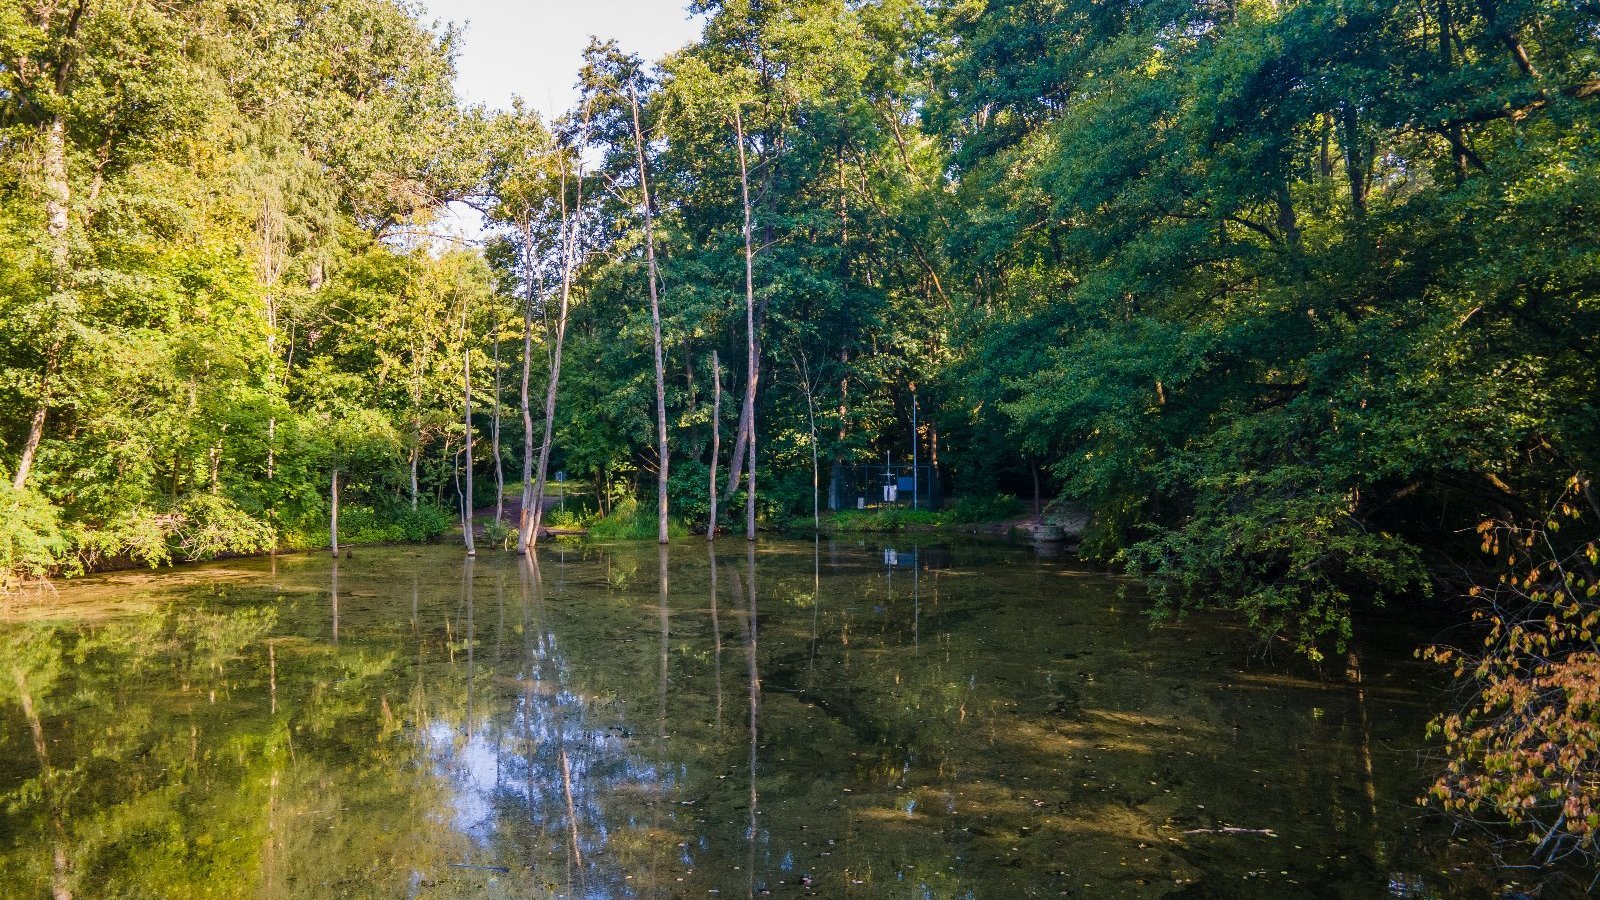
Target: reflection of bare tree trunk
572	808
716	634
664	613
816	606
334	592
60	886
471	638
527	571
1353	673
751	628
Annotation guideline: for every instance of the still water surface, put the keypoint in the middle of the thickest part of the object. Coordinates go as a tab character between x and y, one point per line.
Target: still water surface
832	719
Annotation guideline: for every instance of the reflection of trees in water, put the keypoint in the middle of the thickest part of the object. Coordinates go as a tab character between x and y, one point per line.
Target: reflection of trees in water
533	781
892	725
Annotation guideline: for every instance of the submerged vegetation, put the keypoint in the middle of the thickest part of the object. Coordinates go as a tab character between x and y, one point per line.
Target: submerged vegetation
1290	297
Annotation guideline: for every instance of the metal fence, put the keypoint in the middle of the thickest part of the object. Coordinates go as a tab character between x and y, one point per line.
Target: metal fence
883	485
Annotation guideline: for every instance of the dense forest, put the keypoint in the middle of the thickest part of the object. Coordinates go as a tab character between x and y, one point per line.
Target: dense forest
1297	300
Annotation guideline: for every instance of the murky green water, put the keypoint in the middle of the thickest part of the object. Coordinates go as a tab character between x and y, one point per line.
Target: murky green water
838	720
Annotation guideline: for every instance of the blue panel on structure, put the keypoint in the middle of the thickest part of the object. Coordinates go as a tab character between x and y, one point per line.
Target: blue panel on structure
906	484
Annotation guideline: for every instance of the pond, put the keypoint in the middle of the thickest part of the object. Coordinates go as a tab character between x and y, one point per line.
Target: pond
831	718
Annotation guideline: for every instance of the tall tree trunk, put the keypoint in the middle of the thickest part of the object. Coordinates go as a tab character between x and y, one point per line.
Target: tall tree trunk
57	195
655	324
333	513
467	516
1357	165
57	207
527	409
494	432
571	224
716	439
752	363
57	201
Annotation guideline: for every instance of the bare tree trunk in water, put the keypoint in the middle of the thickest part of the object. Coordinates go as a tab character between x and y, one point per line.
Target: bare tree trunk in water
571	225
750	637
655	324
716	440
333	515
527	410
752	364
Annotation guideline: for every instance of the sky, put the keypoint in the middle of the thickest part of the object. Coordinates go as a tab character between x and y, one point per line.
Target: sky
533	48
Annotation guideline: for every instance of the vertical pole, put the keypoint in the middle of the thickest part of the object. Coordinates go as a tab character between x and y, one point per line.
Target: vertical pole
914	483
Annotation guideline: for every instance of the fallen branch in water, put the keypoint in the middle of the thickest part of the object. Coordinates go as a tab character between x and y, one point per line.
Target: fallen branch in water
1252	832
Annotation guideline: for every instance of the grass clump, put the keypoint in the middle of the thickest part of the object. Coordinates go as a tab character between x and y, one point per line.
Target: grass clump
629	521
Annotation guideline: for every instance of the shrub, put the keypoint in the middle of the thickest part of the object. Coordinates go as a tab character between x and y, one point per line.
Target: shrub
562	518
1523	746
199	527
499	534
992	508
366	525
32	542
424	523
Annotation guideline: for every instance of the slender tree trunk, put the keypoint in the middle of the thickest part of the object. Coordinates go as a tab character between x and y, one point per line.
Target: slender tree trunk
752	363
1038	496
536	519
527	409
736	459
716	439
571	225
467	516
809	387
416	452
36	426
499	466
57	201
655	324
333	514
